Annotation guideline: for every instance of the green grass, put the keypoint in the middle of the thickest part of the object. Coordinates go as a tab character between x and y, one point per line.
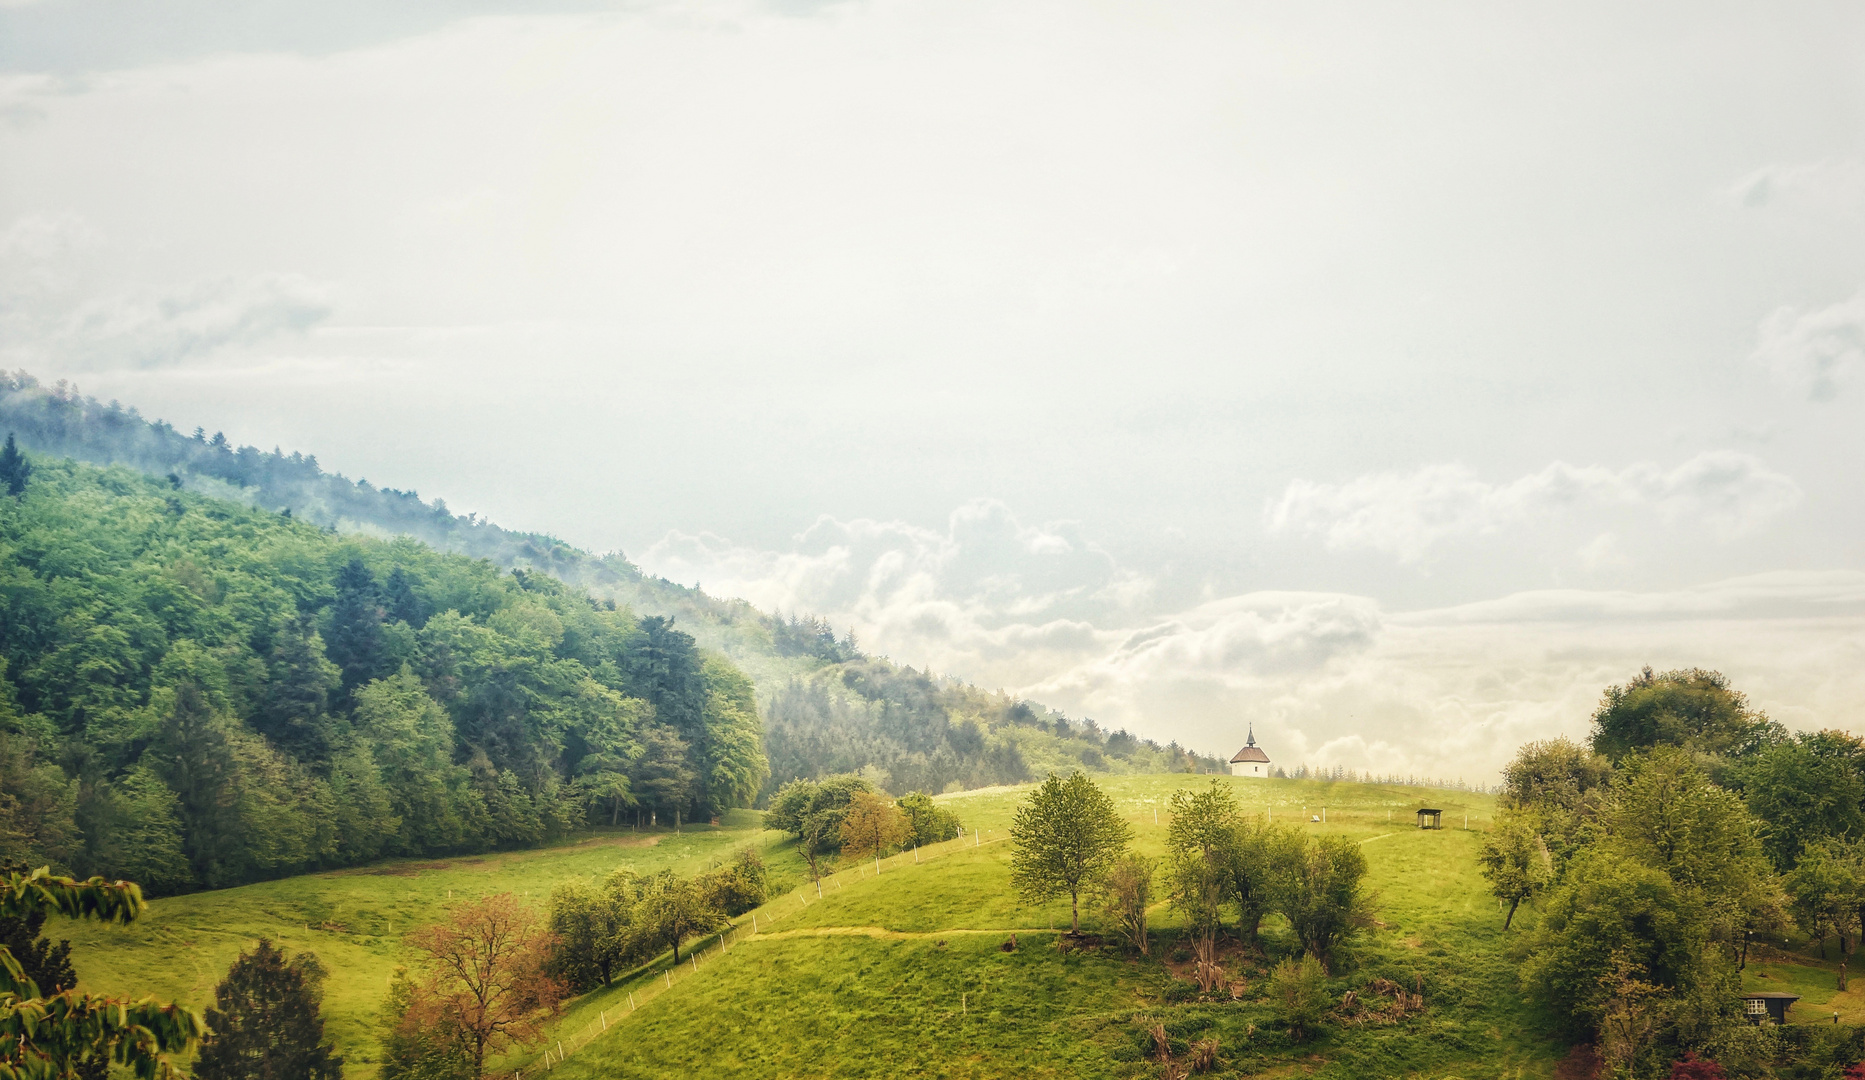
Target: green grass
354	919
882	977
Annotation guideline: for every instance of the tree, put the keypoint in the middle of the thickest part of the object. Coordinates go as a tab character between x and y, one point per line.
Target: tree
1663	811
265	1021
927	821
1515	863
593	930
1826	897
1319	892
1066	835
1692	708
1125	891
1609	907
417	1044
1554	787
813	811
738	886
46	1034
295	712
672	909
872	825
1200	844
15	470
1806	790
355	642
487	978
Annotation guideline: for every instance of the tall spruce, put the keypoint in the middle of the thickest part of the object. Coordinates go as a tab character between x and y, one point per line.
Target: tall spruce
355	642
266	1023
14	468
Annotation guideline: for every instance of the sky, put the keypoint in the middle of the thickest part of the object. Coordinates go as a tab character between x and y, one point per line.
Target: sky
1393	377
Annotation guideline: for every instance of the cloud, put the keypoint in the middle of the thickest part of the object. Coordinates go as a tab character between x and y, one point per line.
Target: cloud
1814	352
1407	514
1328	678
141	327
1832	186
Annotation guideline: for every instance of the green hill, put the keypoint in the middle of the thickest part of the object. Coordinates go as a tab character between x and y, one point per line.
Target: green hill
902	974
826	705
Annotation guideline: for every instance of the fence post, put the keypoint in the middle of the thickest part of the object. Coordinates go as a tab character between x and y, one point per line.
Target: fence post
754	922
631	1001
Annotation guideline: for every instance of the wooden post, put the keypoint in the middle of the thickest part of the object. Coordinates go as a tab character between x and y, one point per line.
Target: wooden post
916	854
669	974
754	922
631	1001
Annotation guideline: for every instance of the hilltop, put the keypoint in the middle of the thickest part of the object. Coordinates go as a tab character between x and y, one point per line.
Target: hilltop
826	705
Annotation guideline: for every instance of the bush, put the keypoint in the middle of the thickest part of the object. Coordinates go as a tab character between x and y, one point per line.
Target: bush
927	822
738	886
1298	991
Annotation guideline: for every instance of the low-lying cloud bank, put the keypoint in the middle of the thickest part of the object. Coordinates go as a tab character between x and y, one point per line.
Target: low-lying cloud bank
1327	678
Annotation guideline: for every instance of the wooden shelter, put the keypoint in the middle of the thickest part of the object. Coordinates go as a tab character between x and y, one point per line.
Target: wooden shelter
1768	1006
1430	819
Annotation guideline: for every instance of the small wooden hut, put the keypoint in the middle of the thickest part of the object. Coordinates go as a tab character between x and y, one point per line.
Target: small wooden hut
1430	819
1768	1007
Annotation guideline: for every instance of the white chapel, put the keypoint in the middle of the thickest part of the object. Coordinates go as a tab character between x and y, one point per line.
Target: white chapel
1250	761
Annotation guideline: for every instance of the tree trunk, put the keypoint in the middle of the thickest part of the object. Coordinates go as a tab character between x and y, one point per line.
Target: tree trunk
1075	919
1513	904
1746	934
1842	961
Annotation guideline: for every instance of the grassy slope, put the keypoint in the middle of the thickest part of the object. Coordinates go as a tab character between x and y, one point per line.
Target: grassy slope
354	919
881	977
811	998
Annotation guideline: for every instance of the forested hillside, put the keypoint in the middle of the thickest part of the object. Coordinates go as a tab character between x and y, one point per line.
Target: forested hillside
828	706
198	693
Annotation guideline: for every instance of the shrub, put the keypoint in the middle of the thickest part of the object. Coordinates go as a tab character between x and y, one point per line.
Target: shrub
1298	991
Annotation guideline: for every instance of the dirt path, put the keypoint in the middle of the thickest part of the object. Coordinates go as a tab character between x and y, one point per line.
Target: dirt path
881	932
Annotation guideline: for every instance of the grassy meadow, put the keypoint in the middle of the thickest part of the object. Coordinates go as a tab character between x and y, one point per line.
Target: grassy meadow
902	973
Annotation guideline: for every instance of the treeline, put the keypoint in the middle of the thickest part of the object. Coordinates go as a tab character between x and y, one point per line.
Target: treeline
1367	776
198	693
1688	825
61	421
909	730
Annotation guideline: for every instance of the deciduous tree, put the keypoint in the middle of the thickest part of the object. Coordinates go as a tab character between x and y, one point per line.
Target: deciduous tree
1516	864
1065	836
487	976
872	826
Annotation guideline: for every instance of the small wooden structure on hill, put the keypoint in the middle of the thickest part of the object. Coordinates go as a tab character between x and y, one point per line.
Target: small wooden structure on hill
1768	1007
1430	819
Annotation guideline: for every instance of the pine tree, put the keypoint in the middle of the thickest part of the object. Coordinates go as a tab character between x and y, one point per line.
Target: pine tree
266	1023
355	643
295	713
14	468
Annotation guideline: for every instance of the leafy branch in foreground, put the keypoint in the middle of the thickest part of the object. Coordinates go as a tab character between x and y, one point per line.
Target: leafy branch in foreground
45	1037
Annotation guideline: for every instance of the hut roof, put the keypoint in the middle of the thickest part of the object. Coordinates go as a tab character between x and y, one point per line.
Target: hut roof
1251	753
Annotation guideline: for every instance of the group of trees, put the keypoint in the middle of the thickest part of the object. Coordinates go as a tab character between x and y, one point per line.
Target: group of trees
1220	861
1689	823
1069	839
195	693
602	930
846	815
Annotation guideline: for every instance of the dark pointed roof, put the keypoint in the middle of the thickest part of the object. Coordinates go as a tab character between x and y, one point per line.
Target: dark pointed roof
1249	751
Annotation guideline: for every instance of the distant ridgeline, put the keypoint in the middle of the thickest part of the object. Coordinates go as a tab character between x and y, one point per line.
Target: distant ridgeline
828	706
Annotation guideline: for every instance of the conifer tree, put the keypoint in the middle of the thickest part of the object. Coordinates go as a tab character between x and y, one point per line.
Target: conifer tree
266	1023
355	642
14	468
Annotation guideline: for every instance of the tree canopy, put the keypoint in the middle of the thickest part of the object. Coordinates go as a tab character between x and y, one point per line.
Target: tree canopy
197	693
1065	836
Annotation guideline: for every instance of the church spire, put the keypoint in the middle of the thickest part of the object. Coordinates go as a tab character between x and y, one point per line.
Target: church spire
1252	741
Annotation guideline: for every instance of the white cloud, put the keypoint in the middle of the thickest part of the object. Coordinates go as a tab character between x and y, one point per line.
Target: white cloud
1815	353
1407	514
